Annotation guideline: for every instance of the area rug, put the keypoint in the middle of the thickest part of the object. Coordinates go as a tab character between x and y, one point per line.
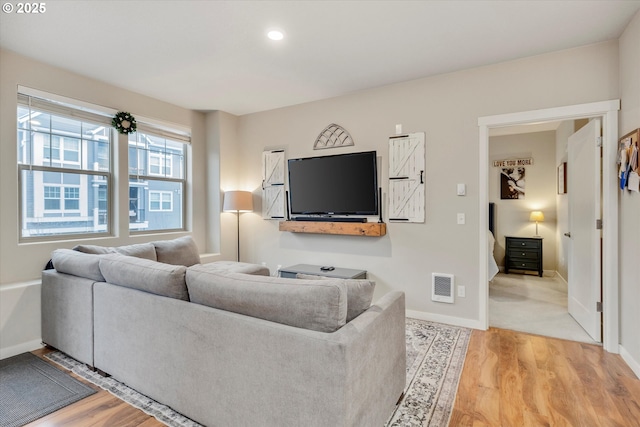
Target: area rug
31	388
435	357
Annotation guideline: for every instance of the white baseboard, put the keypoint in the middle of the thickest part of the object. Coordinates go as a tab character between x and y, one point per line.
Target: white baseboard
633	364
20	348
449	320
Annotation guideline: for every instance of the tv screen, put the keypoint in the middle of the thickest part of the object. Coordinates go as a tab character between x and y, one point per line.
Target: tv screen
343	184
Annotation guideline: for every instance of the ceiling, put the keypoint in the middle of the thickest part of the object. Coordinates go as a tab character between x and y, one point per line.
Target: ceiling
214	55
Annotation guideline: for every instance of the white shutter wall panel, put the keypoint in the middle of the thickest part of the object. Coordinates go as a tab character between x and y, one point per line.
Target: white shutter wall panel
406	178
273	195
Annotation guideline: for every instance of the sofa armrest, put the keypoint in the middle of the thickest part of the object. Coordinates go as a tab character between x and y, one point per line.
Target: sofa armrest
376	360
67	314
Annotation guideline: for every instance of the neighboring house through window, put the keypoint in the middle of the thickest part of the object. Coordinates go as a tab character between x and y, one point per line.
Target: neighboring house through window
64	169
157	180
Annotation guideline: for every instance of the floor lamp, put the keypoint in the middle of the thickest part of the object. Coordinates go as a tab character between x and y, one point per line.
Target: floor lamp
238	201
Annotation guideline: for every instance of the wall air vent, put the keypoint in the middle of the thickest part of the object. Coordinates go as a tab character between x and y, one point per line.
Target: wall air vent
442	287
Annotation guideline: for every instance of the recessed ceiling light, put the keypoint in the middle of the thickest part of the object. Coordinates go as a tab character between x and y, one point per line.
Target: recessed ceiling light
275	35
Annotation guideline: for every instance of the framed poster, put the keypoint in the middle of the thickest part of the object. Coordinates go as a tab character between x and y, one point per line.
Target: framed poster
562	178
512	183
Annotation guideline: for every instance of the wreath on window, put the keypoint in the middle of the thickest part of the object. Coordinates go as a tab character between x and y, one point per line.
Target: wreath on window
124	122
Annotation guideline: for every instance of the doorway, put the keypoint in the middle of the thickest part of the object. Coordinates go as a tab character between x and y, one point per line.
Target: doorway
608	112
524	299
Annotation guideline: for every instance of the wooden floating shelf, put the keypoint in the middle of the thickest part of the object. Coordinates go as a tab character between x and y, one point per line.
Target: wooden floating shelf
375	229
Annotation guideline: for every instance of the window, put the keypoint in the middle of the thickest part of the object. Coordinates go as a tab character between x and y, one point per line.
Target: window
160	164
71	198
64	164
51	198
157	181
161	201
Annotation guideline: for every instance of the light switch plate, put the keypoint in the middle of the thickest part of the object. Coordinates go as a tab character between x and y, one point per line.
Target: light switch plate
462	189
461	219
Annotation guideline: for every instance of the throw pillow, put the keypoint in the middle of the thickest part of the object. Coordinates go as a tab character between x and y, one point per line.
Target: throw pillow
145	275
77	264
315	305
238	267
139	250
180	251
359	293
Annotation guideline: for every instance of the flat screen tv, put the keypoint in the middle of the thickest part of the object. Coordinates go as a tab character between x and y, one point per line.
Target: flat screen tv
343	184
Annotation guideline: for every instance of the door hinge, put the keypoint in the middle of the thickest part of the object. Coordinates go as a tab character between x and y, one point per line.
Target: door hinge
599	141
598	224
599	306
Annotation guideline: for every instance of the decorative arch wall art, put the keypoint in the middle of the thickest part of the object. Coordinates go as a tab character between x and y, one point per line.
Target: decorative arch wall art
333	136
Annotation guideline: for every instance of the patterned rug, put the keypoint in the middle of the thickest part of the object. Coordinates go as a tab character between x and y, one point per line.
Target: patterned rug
435	357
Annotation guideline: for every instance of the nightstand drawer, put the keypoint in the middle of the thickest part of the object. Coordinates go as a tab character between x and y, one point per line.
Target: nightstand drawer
524	244
523	253
523	265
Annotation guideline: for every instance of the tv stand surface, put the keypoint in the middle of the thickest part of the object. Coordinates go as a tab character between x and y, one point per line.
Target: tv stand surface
316	270
375	229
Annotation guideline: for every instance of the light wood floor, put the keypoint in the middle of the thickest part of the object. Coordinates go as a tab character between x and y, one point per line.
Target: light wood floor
510	379
517	379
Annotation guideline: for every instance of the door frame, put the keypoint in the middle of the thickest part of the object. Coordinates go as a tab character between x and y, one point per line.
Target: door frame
608	111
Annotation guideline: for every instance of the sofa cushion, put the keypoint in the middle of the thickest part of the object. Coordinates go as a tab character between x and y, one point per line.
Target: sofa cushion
139	250
309	304
237	267
359	293
180	251
77	264
145	275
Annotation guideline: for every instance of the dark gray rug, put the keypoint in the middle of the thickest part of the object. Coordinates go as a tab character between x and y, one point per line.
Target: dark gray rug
435	357
31	388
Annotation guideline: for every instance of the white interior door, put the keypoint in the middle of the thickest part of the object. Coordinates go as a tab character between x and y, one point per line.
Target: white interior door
584	192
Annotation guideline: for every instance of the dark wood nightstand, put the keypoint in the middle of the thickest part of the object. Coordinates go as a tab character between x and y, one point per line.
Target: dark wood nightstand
523	253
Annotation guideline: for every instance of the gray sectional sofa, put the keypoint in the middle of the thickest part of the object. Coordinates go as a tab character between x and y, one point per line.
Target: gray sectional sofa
225	343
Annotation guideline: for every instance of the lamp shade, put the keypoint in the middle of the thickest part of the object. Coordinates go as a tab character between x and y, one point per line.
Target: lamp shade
536	216
238	201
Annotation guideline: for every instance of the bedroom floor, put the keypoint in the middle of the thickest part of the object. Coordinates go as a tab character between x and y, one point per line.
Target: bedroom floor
537	305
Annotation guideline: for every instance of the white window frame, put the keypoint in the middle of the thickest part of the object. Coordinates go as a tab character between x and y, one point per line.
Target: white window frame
64	197
57	198
35	161
165	164
143	142
161	201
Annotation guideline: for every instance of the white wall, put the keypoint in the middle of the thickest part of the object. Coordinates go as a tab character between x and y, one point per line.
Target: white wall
512	216
447	108
630	202
21	264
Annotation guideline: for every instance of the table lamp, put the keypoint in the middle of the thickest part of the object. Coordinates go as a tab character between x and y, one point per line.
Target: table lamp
536	216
